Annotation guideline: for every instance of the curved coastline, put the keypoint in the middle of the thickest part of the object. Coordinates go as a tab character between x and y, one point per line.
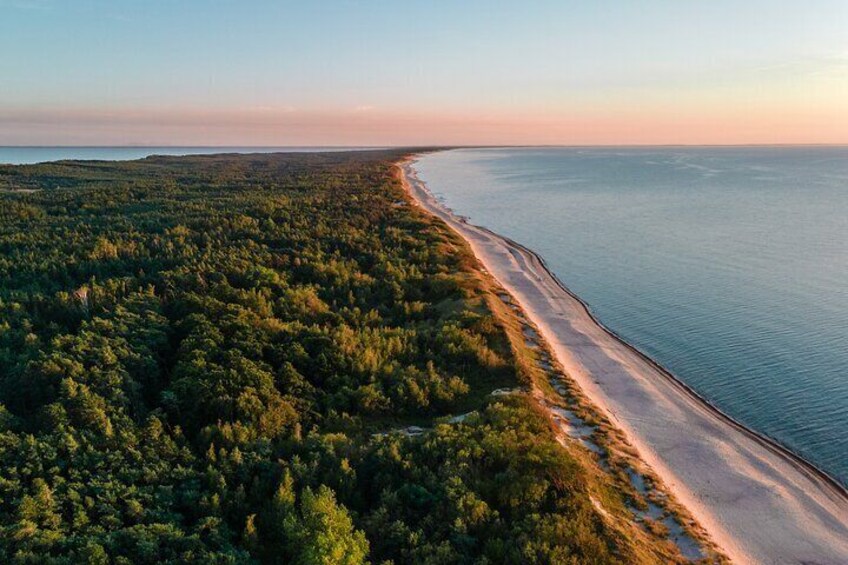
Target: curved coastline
767	441
805	507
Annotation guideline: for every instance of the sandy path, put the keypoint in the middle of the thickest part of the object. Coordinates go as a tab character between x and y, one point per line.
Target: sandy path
760	503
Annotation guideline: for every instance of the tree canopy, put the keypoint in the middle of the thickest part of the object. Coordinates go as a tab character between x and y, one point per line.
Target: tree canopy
199	355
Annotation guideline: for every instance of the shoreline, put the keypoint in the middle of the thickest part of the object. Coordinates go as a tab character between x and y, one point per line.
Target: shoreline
766	440
736	482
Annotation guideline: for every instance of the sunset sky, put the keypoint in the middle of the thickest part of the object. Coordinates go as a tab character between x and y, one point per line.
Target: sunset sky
227	72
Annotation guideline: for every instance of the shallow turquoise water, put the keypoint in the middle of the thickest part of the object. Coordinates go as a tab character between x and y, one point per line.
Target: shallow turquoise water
727	265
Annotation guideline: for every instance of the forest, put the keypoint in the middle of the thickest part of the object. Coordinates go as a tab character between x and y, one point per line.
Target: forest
260	359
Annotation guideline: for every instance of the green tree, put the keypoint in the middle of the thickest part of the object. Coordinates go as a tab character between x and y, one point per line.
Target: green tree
324	534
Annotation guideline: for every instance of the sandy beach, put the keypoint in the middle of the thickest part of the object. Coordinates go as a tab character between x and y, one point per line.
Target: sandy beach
759	502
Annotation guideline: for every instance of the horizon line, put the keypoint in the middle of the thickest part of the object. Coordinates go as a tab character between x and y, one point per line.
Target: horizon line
428	145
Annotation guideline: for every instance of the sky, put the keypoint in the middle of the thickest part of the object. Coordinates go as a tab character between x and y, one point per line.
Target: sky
467	72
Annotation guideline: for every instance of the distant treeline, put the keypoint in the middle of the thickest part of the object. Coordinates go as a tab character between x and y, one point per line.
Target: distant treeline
197	356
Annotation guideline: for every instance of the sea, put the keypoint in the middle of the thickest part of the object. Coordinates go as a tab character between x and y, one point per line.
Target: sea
727	265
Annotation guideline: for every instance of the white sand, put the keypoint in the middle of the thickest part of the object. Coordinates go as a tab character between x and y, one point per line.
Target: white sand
759	503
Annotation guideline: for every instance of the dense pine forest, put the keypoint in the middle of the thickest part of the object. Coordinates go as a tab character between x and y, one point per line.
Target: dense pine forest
261	358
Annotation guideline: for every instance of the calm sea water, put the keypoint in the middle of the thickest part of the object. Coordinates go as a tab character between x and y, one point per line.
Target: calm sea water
727	265
30	155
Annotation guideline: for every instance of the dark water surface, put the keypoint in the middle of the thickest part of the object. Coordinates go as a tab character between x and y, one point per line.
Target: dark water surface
727	265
